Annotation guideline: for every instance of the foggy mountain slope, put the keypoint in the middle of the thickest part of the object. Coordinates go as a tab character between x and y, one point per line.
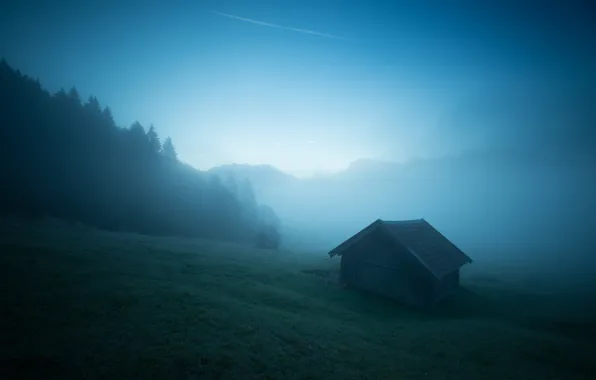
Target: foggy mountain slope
500	203
66	158
265	179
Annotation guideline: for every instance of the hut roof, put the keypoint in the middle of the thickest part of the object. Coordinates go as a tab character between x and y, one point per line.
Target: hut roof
434	251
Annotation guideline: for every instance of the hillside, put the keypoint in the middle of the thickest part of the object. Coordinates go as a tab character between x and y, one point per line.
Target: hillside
262	176
79	302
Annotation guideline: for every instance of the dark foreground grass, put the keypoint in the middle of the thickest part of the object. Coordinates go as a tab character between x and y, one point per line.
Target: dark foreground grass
80	303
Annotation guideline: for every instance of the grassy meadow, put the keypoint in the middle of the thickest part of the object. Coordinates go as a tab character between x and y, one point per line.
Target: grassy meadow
82	303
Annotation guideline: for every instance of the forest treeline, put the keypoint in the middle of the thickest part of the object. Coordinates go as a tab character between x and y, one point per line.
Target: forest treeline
66	158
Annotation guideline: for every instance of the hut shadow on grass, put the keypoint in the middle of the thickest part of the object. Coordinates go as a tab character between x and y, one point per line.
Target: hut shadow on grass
463	305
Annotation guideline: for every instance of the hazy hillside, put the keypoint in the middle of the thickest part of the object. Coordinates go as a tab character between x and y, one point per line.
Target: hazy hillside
67	158
264	178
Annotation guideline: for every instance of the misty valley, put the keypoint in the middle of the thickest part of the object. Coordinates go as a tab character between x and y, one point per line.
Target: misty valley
119	260
298	189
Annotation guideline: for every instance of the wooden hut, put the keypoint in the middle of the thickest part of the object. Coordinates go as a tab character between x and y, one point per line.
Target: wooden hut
406	260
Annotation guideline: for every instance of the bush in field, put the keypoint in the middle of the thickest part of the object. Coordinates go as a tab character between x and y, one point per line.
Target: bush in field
268	237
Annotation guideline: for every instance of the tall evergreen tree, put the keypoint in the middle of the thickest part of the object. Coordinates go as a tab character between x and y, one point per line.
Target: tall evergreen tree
168	150
153	140
73	94
93	105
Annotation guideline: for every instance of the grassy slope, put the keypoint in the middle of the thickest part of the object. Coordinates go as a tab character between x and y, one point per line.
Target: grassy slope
79	302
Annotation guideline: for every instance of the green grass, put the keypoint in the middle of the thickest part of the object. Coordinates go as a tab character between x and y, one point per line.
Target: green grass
81	303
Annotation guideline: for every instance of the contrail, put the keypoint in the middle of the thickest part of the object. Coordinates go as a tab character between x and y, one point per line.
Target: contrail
257	22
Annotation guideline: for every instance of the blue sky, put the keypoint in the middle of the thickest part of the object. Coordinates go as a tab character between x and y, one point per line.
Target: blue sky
311	86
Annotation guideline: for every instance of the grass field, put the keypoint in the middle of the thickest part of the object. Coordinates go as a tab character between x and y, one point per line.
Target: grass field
81	303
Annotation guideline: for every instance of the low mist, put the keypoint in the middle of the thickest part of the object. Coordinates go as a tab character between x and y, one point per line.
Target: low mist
520	192
177	184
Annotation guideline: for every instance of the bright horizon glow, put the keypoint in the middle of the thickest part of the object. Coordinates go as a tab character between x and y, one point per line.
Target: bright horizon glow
300	158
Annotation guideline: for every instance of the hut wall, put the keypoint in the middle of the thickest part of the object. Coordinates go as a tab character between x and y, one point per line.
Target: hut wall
376	265
447	286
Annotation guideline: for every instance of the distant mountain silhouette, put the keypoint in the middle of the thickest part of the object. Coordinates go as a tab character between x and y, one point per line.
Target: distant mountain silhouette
265	177
483	198
261	176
